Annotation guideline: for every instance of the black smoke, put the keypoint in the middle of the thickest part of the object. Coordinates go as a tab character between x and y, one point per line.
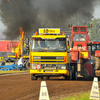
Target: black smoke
32	14
16	14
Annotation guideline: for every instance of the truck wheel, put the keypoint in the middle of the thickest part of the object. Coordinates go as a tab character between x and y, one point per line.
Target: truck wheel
99	63
74	72
74	75
70	74
86	74
27	65
3	63
66	77
33	77
94	74
96	62
46	77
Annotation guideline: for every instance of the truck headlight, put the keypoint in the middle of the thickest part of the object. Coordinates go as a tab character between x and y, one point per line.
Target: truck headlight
63	67
36	57
59	57
33	67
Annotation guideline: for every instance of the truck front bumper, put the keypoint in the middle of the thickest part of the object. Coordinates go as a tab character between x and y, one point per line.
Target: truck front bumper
50	72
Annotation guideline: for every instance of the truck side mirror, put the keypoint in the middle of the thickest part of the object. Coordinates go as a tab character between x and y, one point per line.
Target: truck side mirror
72	44
27	40
68	51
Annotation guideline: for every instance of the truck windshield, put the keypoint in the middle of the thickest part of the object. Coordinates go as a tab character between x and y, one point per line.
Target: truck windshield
55	45
79	37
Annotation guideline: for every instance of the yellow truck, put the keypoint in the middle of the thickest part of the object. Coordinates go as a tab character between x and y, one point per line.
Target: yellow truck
50	55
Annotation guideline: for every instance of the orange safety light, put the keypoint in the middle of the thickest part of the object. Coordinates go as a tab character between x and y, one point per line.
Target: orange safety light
31	58
63	33
68	25
65	59
36	33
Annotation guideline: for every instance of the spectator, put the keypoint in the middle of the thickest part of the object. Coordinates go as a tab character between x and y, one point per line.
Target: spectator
81	38
42	44
21	62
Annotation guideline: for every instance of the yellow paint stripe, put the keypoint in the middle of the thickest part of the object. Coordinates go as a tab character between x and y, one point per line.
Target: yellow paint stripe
56	54
48	63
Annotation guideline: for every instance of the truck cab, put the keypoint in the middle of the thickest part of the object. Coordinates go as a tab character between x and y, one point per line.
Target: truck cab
79	39
49	54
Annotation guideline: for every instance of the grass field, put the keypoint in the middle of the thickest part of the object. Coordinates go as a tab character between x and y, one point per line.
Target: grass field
83	96
13	71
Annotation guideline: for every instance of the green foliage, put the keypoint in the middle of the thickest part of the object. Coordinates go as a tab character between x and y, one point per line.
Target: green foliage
95	31
83	96
80	18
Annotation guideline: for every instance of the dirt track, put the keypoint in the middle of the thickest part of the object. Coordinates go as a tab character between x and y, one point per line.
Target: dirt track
20	87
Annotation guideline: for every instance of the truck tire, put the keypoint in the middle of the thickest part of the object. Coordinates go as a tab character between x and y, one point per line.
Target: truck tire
66	77
70	74
96	62
99	63
27	65
33	77
3	63
74	72
86	74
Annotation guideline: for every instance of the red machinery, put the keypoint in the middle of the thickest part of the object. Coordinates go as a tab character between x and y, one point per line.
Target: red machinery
20	50
79	52
95	53
7	45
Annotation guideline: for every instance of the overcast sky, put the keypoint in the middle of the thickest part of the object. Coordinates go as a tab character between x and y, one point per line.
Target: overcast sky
96	14
2	28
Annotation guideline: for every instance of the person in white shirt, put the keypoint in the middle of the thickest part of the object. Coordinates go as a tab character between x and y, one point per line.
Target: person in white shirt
20	61
80	38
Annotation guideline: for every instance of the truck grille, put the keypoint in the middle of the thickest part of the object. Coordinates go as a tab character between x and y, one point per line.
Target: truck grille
48	59
48	65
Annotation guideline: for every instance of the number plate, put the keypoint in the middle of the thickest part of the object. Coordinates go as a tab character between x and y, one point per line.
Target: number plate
48	71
